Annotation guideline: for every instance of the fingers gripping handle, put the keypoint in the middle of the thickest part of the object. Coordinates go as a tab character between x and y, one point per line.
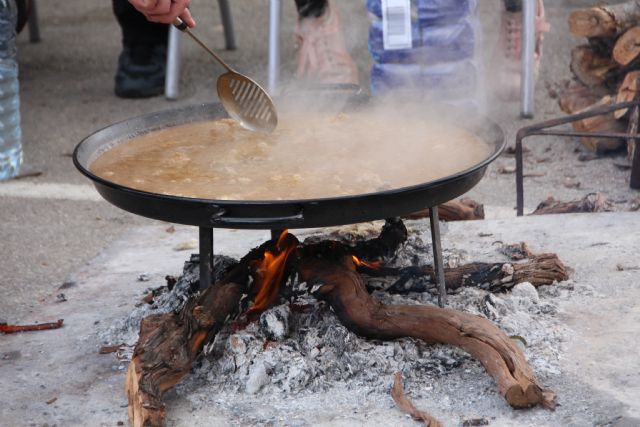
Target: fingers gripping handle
180	24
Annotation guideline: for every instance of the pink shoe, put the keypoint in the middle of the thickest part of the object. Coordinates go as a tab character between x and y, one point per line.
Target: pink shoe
507	58
322	54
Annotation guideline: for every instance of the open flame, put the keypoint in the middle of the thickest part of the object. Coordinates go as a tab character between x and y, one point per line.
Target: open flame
270	273
373	264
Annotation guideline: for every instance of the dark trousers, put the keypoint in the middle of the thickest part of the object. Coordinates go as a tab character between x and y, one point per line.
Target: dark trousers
513	5
136	30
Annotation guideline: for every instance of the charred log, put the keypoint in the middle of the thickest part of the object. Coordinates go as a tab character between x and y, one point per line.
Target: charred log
539	270
170	343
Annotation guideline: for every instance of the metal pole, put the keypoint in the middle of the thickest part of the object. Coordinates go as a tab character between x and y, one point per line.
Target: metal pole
527	85
635	167
275	12
206	256
438	265
519	176
227	24
172	78
34	25
275	234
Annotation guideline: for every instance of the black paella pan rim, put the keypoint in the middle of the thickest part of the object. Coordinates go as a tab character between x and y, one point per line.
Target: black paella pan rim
272	214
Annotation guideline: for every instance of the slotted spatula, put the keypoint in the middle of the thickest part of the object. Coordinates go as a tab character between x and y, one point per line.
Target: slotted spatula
242	97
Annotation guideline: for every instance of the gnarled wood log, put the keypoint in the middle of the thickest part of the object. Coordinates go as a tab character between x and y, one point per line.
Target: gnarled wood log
592	202
604	21
464	209
342	287
169	343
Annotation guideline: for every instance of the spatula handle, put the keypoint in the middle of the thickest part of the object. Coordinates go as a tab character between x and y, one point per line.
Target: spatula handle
180	24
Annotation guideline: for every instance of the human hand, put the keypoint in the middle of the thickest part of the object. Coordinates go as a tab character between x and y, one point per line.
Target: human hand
165	11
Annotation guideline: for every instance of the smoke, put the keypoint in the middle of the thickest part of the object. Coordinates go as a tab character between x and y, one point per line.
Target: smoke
464	83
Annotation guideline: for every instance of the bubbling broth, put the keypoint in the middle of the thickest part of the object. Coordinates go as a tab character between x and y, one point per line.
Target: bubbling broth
306	157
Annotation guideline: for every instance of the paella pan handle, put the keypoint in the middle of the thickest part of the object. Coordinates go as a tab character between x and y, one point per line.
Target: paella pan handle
219	219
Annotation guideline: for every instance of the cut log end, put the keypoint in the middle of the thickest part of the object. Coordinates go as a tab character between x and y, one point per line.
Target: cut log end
627	46
520	398
592	22
144	410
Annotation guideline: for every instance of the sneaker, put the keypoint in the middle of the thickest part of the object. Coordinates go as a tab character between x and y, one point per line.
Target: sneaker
141	71
322	53
507	59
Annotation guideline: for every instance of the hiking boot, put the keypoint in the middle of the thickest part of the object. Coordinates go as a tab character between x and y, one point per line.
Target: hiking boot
141	71
322	53
507	59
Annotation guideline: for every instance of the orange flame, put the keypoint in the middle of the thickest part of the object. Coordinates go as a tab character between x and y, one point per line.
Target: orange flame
270	274
373	264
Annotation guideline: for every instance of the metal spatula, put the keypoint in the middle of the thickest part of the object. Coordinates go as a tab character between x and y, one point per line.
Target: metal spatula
242	97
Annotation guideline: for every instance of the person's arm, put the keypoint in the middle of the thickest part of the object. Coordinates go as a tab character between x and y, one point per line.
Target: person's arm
165	11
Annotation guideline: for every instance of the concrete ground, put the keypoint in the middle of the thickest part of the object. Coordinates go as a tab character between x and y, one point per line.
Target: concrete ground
58	378
53	225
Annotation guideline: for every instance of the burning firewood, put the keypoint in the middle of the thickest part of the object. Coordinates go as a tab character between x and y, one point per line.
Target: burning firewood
342	288
539	270
170	343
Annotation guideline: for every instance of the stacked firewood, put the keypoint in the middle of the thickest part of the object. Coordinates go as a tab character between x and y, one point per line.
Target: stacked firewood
606	69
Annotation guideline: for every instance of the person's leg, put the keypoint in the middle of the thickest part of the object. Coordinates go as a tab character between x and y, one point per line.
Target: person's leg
311	8
513	5
322	57
141	65
508	56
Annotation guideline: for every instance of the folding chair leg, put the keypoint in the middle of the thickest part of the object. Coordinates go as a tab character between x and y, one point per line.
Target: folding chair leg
275	12
34	27
227	24
172	77
527	79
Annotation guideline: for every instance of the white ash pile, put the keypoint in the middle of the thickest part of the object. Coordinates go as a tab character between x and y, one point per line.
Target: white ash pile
300	345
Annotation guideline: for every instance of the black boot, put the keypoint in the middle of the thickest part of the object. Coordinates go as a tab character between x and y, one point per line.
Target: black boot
141	71
142	62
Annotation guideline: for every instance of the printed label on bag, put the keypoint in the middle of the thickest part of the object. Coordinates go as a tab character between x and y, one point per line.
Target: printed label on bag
396	24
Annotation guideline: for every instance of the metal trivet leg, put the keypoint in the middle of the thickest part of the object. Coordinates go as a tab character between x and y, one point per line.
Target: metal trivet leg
276	233
438	266
544	129
206	256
